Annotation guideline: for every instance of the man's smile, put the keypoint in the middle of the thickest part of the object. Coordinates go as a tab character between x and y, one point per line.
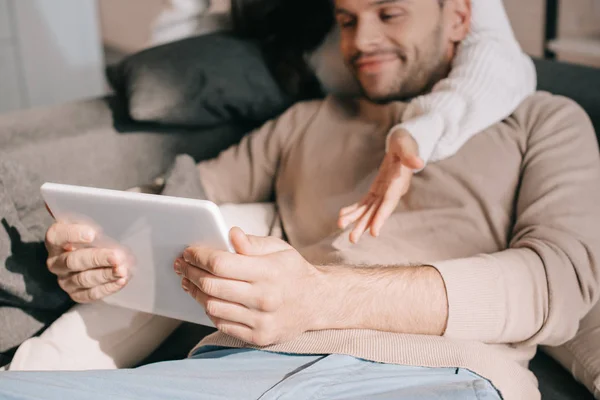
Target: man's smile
374	64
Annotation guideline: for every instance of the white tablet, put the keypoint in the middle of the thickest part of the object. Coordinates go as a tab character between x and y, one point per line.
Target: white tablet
154	231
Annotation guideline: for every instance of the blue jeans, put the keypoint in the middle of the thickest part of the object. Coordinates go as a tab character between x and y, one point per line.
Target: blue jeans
217	373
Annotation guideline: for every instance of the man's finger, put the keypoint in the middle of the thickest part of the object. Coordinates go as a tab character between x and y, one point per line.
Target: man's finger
60	235
239	331
85	259
90	279
218	308
224	264
250	245
85	296
225	289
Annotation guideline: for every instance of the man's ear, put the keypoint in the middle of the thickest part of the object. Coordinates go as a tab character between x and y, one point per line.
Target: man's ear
460	24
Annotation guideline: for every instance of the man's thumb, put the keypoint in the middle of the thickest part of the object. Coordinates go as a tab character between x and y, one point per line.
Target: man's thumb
250	245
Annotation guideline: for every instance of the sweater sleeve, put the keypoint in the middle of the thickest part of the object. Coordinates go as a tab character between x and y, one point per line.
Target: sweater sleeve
490	77
245	173
538	290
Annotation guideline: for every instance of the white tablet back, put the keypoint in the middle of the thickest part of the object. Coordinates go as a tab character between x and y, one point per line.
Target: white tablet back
154	230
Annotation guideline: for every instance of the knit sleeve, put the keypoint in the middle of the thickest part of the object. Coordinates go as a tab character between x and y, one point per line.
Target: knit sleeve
490	77
538	290
246	172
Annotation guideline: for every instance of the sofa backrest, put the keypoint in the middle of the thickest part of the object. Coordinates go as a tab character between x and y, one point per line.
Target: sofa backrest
581	84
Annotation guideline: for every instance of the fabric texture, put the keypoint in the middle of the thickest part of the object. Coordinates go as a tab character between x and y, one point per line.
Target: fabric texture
258	375
518	200
581	355
30	297
94	336
203	81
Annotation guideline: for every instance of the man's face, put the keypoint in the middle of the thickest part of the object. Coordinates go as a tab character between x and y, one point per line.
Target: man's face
398	49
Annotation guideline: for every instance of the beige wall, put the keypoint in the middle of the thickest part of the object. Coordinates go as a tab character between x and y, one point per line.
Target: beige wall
527	18
127	24
579	17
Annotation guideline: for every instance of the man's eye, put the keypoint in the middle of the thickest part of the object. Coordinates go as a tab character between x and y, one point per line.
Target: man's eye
387	17
390	15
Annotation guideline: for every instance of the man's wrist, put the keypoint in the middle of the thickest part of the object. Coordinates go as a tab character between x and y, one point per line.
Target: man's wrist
408	300
328	312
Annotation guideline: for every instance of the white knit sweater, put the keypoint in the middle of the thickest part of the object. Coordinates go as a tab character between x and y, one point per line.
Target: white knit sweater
490	77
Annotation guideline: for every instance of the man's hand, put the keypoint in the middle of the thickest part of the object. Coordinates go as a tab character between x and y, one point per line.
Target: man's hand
265	294
392	182
87	274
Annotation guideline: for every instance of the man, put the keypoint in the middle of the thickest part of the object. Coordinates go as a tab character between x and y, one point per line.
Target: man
492	253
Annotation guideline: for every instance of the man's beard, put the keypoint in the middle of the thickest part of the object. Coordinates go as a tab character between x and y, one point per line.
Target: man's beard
430	66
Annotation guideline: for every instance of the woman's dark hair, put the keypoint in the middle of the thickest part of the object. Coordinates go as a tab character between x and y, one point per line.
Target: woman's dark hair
286	30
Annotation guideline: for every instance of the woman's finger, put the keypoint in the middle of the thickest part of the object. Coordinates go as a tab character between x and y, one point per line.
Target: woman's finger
348	220
365	201
363	223
350	209
358	211
383	212
395	191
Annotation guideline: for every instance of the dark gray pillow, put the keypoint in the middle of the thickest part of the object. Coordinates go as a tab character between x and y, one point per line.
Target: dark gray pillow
203	81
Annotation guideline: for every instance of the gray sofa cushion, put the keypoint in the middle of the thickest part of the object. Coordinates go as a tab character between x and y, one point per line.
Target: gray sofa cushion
90	143
579	83
203	81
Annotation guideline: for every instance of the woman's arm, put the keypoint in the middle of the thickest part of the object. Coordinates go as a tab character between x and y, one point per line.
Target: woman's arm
490	77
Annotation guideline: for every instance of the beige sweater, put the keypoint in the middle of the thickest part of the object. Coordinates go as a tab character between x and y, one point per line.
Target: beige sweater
511	222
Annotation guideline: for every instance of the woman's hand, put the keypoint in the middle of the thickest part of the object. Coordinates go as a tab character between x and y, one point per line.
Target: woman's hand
392	182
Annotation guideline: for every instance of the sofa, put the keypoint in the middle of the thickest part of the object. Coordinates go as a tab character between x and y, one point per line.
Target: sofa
94	142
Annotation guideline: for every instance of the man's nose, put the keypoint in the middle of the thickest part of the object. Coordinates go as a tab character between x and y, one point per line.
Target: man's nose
368	36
